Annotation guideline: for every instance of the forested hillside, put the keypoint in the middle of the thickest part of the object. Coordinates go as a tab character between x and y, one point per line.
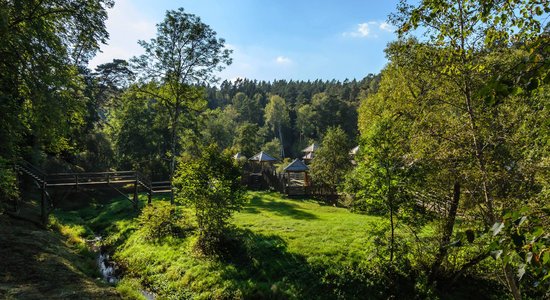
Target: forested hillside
448	192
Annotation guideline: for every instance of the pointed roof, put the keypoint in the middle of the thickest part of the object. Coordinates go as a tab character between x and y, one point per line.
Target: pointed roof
296	166
312	148
262	156
354	151
238	156
308	156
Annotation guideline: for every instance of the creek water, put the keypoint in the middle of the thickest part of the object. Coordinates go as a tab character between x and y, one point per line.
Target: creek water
108	268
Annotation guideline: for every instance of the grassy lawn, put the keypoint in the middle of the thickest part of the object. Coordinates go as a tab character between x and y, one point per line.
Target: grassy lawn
309	228
278	248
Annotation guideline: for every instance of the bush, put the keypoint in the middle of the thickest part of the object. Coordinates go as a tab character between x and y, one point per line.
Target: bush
210	184
160	220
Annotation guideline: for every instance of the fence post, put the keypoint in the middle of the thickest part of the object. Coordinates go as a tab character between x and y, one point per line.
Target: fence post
16	199
136	193
43	207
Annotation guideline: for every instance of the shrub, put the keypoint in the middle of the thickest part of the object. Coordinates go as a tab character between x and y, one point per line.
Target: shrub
160	220
210	184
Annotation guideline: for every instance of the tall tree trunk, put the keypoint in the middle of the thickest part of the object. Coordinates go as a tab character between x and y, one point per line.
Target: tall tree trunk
389	198
478	149
281	140
447	234
173	146
392	233
511	280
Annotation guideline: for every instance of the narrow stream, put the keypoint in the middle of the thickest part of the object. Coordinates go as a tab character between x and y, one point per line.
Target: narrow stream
108	268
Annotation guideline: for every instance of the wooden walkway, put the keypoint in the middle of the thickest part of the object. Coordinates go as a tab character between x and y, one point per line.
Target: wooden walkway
75	180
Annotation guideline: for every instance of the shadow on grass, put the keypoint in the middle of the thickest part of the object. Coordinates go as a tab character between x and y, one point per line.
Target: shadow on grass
264	269
36	264
100	214
257	204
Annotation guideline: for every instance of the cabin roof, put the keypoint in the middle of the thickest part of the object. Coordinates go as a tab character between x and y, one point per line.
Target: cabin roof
262	156
296	166
239	155
311	148
308	156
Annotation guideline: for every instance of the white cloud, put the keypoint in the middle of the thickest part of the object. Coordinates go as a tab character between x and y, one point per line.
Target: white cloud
385	26
282	60
126	25
369	29
362	30
258	62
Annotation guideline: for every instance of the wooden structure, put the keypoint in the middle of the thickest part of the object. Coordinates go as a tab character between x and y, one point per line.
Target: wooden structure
309	152
297	177
259	164
261	161
76	180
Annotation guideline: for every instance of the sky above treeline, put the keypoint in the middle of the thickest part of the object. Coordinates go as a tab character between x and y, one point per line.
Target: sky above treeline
284	39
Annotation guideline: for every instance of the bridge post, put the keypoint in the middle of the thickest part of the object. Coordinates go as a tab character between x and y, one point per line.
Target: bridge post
16	199
149	195
136	193
43	207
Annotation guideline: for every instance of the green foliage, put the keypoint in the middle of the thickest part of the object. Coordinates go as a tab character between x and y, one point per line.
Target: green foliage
41	86
138	129
185	54
8	183
459	90
247	140
210	184
273	148
332	160
277	116
522	240
160	220
129	288
220	127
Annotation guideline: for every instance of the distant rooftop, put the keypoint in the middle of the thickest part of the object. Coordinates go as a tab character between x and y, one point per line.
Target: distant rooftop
262	156
239	155
312	148
296	166
308	156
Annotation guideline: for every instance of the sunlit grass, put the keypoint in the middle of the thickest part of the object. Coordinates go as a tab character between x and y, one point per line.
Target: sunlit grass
282	248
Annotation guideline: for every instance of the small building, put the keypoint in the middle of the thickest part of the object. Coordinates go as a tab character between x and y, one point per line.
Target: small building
262	161
261	168
309	152
297	177
239	156
263	157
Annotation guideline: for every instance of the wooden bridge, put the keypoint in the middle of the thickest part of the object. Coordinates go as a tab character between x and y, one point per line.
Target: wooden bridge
76	180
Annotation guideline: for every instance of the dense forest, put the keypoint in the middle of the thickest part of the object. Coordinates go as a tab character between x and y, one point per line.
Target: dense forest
453	162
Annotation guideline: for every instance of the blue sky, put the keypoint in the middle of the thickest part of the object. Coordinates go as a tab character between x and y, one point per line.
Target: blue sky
300	40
